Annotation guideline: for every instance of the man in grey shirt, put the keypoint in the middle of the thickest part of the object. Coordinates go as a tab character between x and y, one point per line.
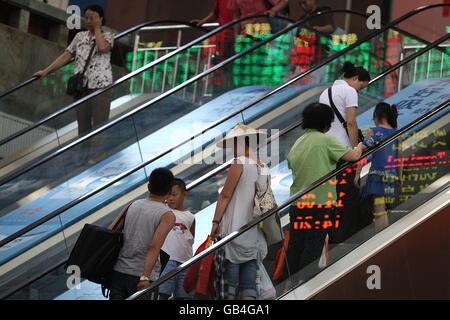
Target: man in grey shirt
147	223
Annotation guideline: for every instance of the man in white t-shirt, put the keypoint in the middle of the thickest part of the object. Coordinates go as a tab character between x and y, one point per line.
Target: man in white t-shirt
345	98
178	244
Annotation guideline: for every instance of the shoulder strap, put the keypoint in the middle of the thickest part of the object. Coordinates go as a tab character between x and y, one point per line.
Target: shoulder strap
335	109
268	177
88	61
119	222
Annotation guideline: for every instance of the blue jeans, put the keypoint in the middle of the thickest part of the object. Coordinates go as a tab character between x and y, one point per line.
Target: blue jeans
242	276
175	284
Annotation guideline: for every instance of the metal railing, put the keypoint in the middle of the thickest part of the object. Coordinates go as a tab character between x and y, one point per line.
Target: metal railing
369	36
143	165
282	132
414	73
168	56
285	204
159	51
117	37
123	79
57	114
214	124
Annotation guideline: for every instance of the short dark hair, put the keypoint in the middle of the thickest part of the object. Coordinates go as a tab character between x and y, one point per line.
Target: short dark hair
98	9
317	116
180	183
350	71
160	182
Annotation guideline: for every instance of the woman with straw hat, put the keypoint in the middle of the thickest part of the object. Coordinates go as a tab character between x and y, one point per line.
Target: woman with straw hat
234	209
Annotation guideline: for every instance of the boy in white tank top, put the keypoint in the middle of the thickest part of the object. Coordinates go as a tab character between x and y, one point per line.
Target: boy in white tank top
178	243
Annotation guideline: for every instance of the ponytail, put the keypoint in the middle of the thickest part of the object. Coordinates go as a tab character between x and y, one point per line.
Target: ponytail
393	116
386	111
350	71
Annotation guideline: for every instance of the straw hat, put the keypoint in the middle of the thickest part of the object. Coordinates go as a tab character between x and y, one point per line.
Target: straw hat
240	130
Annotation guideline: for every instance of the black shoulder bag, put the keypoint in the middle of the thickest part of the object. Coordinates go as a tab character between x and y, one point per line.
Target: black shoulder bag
340	117
96	251
75	85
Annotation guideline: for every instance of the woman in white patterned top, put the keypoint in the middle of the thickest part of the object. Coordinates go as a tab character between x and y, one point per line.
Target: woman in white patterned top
99	72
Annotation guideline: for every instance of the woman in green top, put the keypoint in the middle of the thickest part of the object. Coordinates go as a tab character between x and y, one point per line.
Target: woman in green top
314	155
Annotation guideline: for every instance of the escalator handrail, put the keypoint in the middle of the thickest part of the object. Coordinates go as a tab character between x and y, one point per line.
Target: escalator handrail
224	166
189	187
194	259
116	37
128	76
213	172
12	175
22	170
394	67
161	154
121	34
285	204
169	55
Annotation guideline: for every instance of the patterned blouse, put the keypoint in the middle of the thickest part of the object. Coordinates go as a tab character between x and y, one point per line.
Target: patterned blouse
99	72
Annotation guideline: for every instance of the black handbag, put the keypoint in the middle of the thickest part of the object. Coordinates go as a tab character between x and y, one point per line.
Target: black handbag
340	117
75	85
96	251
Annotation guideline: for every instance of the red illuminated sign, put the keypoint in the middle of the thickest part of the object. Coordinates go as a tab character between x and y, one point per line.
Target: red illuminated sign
309	223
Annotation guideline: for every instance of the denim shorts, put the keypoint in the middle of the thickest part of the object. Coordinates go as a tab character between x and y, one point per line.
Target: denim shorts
175	284
242	276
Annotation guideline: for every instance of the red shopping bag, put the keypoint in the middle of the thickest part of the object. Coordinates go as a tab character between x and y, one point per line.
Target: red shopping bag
205	276
280	260
198	275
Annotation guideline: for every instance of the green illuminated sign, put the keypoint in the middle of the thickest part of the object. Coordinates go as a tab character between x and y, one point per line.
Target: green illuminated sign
269	64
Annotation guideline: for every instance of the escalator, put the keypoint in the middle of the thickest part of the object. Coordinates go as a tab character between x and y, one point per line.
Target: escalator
51	136
37	142
101	209
25	145
150	59
133	48
425	147
411	257
205	190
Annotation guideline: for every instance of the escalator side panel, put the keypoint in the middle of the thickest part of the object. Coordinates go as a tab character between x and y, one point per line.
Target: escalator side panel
414	266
